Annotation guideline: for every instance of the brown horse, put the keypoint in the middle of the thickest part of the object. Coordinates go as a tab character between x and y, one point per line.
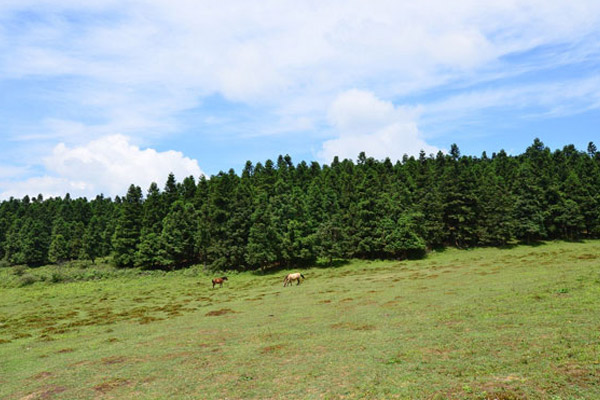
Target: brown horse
292	277
219	281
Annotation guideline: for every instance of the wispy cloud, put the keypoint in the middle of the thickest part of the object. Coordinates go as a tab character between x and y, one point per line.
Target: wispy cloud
533	100
178	52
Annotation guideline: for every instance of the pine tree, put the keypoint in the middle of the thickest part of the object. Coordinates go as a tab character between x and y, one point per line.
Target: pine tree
460	201
34	242
401	239
528	212
178	236
262	238
171	192
92	240
495	210
58	251
217	214
154	211
127	232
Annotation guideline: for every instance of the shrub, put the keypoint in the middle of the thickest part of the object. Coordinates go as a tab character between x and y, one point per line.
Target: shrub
19	270
57	277
27	279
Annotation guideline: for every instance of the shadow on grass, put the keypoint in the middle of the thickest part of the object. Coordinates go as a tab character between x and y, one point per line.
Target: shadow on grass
513	245
276	269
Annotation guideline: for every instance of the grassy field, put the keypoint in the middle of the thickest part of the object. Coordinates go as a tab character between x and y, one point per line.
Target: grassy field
479	324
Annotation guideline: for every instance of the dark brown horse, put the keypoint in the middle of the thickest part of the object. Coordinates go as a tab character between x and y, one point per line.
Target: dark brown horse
219	281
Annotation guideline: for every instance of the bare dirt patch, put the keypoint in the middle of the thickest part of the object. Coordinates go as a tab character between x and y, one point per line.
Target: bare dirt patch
222	311
148	320
486	391
110	385
501	391
354	327
271	349
80	363
67	350
47	392
42	375
113	360
578	375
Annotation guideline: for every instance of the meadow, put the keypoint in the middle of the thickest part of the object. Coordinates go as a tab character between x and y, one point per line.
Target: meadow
479	324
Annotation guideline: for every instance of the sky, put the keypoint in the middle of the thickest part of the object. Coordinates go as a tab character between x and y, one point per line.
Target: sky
96	95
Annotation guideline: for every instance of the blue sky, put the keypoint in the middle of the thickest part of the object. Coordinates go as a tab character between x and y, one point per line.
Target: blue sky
99	94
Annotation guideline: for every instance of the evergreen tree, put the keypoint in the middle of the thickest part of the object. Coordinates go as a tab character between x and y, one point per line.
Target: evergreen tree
495	210
59	251
281	214
262	240
171	192
147	254
460	202
401	239
92	240
217	214
34	242
127	232
528	212
178	237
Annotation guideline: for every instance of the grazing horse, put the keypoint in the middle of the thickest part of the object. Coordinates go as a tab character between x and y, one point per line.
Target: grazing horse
293	277
219	281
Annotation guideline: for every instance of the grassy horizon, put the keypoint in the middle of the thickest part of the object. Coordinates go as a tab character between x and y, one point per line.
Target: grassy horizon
478	324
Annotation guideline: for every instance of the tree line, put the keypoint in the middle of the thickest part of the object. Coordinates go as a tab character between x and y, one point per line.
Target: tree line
280	214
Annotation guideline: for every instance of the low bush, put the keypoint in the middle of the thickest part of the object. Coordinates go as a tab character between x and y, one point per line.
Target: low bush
27	279
19	270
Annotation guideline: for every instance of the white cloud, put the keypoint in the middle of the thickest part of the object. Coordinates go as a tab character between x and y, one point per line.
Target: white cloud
180	51
365	123
107	165
139	66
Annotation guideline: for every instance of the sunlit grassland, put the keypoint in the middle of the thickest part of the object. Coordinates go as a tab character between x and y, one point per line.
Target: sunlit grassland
486	323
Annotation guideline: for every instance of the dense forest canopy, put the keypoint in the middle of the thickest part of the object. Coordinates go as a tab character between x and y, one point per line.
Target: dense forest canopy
278	213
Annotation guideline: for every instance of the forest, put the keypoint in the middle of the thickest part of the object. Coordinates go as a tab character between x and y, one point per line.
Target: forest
277	213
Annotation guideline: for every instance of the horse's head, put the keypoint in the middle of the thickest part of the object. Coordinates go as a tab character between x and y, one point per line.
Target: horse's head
302	276
224	278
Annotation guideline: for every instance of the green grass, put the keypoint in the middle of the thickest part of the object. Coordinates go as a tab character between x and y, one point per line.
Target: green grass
479	324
